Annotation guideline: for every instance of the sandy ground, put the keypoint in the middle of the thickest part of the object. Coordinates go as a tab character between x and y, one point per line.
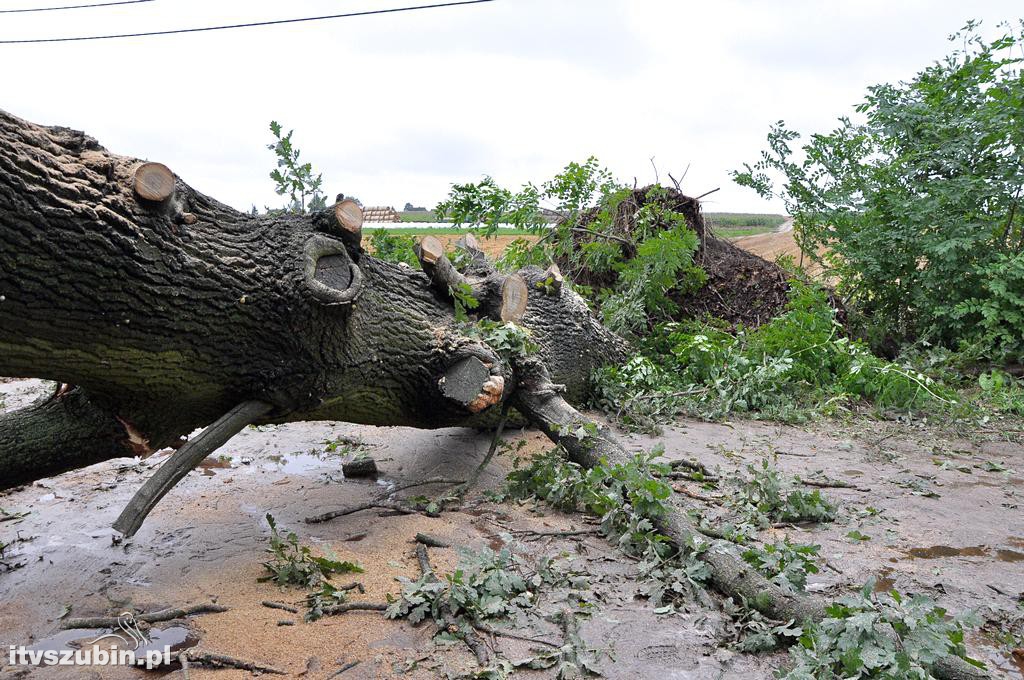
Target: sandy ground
773	245
954	532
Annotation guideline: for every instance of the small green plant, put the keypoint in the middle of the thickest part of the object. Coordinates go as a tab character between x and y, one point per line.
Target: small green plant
869	636
292	178
506	338
764	496
485	585
791	368
786	564
292	564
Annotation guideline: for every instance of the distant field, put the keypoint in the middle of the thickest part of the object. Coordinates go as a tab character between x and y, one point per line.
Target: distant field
371	227
417	216
738	220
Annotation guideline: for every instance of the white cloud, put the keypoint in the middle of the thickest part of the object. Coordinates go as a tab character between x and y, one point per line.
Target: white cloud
393	108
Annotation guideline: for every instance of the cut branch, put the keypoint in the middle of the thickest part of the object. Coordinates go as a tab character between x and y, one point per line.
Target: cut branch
154	182
184	460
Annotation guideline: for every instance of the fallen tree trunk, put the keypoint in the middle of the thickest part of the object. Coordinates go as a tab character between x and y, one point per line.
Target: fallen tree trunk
165	309
160	310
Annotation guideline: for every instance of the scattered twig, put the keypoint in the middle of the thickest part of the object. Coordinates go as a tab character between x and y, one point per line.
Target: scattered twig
432	541
681	488
382	502
707	193
490	630
450	621
386	505
285	622
183	660
460	491
354	607
347	667
153	617
833	484
556	534
280	605
225	661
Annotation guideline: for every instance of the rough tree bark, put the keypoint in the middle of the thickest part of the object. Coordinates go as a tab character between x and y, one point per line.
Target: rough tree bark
159	310
165	309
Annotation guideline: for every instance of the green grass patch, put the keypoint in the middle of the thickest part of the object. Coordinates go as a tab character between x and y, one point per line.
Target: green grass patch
418	216
727	220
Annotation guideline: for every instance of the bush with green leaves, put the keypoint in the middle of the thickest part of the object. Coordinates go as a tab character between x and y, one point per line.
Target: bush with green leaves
785	564
765	496
630	273
797	364
886	637
916	200
394	247
486	584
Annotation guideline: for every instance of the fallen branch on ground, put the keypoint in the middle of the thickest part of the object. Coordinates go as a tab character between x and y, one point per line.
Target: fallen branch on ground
153	617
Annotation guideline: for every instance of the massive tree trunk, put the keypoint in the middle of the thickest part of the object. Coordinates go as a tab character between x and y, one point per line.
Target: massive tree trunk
165	309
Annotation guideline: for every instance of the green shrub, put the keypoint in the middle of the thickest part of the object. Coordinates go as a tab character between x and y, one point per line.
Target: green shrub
916	202
394	247
797	364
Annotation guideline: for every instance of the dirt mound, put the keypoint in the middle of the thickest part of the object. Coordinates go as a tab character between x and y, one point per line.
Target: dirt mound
741	288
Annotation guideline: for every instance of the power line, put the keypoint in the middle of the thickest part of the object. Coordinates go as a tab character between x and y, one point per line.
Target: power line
249	25
54	9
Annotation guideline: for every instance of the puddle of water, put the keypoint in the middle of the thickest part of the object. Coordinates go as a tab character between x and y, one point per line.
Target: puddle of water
884	582
937	551
853	473
175	637
296	463
1009	556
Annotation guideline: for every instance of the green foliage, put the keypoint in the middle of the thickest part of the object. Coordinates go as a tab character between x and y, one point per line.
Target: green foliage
463	300
895	638
1002	392
484	585
918	201
292	564
764	497
630	500
504	337
785	564
641	268
486	206
292	178
394	247
663	263
797	364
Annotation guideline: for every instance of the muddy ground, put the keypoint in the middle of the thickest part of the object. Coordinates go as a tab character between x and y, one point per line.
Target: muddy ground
949	524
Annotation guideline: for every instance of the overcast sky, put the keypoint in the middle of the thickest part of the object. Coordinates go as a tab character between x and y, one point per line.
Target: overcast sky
395	107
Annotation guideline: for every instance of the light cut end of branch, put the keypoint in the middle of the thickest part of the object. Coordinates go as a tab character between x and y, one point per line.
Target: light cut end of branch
470	383
349	216
514	296
471	245
554	275
154	182
431	250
